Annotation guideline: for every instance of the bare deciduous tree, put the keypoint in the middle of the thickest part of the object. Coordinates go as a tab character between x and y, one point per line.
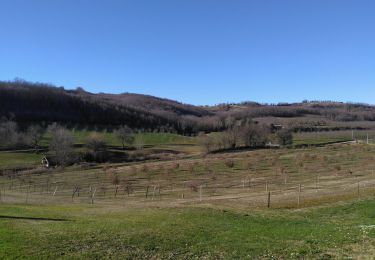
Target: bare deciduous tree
254	135
8	133
206	142
125	135
232	136
285	137
97	148
61	144
34	135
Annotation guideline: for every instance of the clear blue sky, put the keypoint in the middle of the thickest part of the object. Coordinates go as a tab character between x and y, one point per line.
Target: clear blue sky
195	51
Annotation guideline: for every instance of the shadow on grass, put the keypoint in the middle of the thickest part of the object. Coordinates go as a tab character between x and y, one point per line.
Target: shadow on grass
33	218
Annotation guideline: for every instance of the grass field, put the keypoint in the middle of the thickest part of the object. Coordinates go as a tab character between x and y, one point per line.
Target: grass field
83	231
314	138
18	159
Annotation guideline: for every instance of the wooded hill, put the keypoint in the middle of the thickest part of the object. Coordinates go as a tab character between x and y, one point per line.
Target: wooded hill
27	103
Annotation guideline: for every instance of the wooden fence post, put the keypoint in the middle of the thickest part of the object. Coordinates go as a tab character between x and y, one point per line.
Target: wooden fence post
147	192
269	200
27	194
92	196
153	192
74	192
54	193
358	189
299	194
116	191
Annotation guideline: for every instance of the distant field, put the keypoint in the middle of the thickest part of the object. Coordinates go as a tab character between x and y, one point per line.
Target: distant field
174	142
80	137
321	137
332	136
154	141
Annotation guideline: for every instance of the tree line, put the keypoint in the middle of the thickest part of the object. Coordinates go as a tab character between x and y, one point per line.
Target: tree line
245	134
61	146
29	103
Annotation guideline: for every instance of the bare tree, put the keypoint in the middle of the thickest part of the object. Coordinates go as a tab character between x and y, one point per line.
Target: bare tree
125	135
34	135
8	133
232	136
97	148
61	145
206	142
254	135
285	137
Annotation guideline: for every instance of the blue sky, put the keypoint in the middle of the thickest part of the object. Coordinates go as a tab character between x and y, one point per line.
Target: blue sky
195	51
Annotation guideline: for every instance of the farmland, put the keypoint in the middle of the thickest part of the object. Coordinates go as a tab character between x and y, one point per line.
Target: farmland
187	130
317	200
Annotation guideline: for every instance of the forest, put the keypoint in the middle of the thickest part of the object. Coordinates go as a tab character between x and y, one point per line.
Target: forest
28	103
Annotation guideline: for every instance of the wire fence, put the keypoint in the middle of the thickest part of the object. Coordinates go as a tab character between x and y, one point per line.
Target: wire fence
249	192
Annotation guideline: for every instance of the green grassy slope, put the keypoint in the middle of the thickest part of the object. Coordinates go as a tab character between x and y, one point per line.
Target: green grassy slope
92	232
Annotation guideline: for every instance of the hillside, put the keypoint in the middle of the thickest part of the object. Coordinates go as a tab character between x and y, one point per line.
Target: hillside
36	102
